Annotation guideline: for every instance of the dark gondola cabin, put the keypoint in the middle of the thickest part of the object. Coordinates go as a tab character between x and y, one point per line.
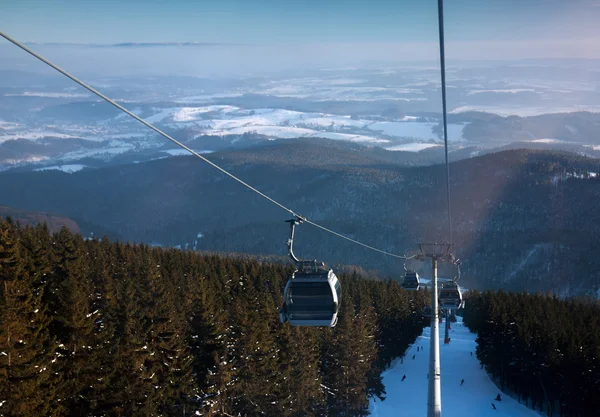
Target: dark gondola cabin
313	294
450	296
411	281
312	298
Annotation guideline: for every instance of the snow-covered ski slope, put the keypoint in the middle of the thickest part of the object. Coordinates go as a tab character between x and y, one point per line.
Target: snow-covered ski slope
474	398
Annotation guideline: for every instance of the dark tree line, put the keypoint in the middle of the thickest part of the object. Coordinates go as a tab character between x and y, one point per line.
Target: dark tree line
96	328
545	349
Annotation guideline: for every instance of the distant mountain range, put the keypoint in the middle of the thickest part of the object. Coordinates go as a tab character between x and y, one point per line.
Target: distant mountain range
522	219
131	44
46	121
70	129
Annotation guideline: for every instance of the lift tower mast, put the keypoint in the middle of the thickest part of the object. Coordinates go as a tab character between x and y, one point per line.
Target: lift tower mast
436	252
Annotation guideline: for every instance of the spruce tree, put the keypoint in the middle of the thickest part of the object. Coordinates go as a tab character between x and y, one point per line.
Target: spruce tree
26	346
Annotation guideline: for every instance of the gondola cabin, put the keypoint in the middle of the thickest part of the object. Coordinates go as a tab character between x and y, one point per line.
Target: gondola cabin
452	317
311	297
450	296
411	281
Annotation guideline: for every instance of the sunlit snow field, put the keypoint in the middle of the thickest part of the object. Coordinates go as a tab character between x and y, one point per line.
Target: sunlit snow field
408	398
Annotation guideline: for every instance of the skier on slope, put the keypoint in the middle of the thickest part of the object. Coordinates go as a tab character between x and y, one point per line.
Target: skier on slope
493	406
404	377
462	381
498	398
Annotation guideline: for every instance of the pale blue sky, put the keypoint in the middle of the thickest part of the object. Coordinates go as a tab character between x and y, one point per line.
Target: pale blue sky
294	34
295	21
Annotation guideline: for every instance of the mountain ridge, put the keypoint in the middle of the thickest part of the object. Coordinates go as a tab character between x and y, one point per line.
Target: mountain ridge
503	204
30	218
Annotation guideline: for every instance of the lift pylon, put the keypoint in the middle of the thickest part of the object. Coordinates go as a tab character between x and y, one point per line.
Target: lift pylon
436	252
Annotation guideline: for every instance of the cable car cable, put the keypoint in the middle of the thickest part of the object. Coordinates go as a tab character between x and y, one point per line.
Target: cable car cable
176	142
444	109
357	242
139	119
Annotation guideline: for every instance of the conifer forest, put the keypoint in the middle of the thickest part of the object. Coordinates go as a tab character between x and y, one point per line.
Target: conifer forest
100	328
544	349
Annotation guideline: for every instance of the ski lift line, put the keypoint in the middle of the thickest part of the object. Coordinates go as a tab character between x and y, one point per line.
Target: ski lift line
191	151
357	242
444	109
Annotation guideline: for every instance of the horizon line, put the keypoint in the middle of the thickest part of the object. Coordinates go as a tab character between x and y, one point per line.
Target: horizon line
134	44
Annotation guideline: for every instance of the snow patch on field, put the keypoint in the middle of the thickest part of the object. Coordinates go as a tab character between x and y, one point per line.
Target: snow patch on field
547	140
9	125
47	95
223	120
69	169
507	91
187	114
161	115
349	137
334	122
412	147
110	152
36	134
283	132
179	152
27	160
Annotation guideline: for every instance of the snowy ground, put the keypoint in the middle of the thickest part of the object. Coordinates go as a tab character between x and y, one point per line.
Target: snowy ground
412	147
222	120
473	399
184	152
69	169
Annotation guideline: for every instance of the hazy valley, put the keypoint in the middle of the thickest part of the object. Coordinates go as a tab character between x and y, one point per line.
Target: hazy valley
353	148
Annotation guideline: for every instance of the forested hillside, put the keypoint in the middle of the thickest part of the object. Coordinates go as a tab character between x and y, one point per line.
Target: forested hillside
91	327
31	218
522	219
545	349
